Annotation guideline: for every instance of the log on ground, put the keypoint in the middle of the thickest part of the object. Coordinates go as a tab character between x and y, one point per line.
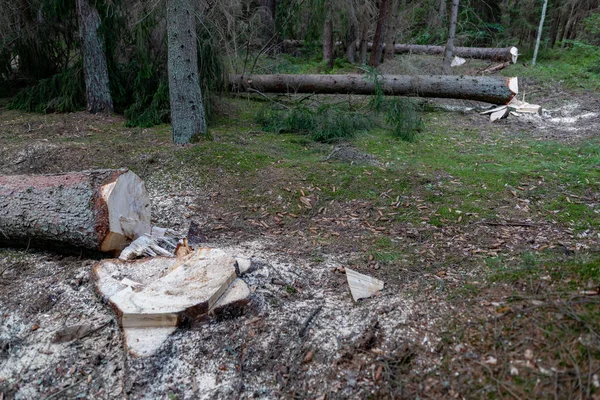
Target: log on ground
490	89
486	53
499	54
100	210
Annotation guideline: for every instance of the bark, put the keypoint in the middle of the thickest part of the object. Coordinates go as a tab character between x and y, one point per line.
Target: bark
97	210
328	41
187	110
351	44
364	36
437	15
95	69
486	53
378	39
494	54
390	35
268	9
449	51
497	90
539	35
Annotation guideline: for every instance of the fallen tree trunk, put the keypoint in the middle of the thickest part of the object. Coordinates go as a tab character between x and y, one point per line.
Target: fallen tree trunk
496	90
100	210
495	54
499	54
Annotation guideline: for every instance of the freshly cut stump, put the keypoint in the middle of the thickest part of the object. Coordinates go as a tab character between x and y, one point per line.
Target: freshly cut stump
98	210
153	296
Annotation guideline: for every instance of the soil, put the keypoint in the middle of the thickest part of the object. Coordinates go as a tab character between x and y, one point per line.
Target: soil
302	336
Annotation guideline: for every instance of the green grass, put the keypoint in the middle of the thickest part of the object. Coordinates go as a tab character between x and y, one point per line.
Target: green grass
577	67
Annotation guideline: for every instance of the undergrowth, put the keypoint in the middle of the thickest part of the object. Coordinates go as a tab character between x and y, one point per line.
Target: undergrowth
63	92
328	122
324	124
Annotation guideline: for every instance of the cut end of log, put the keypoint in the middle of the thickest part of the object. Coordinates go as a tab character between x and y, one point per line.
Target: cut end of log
513	85
129	212
514	52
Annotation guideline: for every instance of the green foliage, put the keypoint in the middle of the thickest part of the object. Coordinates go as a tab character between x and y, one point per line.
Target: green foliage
63	92
151	108
405	118
574	66
327	123
330	122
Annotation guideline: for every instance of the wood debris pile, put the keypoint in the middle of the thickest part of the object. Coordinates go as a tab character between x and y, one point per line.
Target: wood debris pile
514	107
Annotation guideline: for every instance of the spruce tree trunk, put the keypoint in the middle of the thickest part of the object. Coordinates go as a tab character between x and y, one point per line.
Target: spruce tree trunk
187	110
539	35
328	41
364	37
378	39
449	52
390	35
351	44
95	70
491	89
99	210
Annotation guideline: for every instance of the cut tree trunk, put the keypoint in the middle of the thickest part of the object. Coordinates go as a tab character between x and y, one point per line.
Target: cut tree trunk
496	90
95	69
499	54
485	53
187	110
101	210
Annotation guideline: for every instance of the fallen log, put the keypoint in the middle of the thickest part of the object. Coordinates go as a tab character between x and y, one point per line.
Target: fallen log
494	54
101	210
496	90
510	53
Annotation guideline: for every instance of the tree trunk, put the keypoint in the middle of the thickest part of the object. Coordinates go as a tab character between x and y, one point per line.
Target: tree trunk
486	53
268	8
539	35
187	110
496	90
378	39
351	44
437	15
98	210
494	54
390	35
328	41
364	32
448	52
95	69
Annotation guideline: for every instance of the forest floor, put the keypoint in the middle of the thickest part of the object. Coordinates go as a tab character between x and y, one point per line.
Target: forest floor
486	236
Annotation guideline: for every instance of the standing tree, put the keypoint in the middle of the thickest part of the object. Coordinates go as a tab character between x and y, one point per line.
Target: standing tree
187	110
95	69
378	39
448	53
364	32
328	40
539	35
268	9
390	35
